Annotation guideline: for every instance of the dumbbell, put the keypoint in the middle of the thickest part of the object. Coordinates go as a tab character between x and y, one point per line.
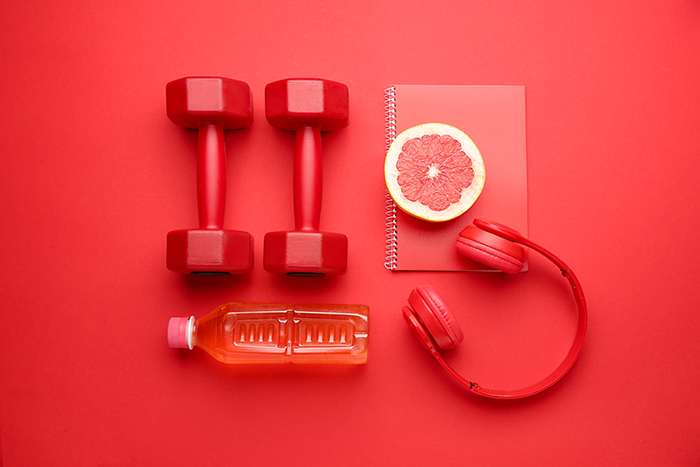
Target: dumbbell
210	105
307	107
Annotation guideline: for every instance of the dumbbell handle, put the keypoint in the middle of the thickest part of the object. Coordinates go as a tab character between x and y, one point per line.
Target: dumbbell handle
308	178
211	177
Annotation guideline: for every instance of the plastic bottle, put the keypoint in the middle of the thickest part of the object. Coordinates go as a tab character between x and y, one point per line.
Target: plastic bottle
277	333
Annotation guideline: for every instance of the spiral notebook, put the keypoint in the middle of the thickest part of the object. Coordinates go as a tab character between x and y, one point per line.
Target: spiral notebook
494	118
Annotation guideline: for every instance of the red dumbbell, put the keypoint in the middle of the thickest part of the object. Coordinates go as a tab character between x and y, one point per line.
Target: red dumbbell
210	105
308	107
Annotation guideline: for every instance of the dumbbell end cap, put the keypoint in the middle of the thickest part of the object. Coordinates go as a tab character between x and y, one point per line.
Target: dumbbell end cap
305	253
210	251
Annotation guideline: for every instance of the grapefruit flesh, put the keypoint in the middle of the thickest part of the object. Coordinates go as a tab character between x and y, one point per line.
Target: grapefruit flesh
434	172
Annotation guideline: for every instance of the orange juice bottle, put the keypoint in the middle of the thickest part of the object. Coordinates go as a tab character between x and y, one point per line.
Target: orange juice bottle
277	333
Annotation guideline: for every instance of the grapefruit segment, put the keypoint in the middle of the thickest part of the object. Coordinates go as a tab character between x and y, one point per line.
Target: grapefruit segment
434	172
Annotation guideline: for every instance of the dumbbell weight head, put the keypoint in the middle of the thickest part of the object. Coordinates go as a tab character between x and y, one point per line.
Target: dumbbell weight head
290	103
202	251
194	101
211	105
305	253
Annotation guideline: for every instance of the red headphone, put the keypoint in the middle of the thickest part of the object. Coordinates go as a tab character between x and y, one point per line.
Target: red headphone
498	247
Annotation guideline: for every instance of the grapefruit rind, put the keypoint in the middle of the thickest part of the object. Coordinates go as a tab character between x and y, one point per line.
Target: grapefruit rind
469	194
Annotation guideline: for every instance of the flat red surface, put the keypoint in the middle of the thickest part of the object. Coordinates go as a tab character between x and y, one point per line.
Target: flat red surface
93	176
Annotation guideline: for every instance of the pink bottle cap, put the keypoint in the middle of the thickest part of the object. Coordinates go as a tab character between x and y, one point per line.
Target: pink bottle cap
180	332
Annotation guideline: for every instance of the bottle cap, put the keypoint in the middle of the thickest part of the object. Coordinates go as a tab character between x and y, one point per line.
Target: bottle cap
180	332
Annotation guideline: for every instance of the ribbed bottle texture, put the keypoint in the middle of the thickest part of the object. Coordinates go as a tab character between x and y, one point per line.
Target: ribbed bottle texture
279	333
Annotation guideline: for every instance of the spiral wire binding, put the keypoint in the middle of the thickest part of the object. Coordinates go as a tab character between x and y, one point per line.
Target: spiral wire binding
390	132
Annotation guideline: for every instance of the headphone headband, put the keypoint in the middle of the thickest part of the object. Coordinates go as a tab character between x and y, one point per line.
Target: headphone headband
501	230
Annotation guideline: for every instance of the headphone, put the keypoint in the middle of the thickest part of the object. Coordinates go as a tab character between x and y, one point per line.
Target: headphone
500	248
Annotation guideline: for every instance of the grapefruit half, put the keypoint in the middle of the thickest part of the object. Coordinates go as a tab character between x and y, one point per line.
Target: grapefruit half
434	172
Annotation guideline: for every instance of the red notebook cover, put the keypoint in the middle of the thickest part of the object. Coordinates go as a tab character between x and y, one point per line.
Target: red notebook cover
494	118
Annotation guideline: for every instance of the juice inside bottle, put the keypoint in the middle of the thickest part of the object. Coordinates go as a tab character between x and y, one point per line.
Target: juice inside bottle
277	333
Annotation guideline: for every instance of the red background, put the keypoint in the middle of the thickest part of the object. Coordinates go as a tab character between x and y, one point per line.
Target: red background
94	175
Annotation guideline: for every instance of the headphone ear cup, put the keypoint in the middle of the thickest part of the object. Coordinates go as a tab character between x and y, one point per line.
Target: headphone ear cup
436	317
419	329
491	250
